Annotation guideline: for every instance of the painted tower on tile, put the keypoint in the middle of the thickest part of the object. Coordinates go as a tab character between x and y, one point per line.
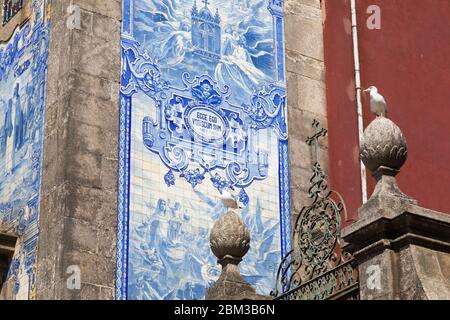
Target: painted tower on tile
206	32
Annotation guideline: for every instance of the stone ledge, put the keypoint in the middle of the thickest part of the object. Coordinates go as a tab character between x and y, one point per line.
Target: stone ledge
385	229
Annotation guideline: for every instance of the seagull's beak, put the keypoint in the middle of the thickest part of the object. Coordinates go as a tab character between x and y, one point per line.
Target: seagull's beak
367	90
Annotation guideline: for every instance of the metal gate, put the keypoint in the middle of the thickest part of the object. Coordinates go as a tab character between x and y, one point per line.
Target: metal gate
317	268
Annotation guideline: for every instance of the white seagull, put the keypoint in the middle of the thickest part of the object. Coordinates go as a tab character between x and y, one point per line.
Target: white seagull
378	105
229	201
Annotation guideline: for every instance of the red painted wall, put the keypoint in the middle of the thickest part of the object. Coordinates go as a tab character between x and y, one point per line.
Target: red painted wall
408	59
341	104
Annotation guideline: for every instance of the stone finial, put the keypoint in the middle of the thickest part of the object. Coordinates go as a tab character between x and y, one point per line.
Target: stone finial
384	145
384	151
230	242
230	238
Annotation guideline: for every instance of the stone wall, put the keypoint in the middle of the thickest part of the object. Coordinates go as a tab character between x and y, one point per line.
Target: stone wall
79	187
306	92
412	273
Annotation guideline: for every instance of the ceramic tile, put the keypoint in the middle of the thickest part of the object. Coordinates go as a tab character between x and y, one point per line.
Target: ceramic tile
205	82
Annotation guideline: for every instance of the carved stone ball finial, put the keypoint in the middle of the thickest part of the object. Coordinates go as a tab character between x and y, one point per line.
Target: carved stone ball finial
230	238
230	242
384	146
384	151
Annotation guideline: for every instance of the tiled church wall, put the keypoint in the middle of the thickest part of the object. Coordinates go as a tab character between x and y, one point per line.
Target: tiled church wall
213	114
79	189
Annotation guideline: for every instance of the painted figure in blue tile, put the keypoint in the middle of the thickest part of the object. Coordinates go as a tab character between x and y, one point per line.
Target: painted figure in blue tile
7	127
198	259
174	112
238	63
178	250
9	137
19	125
161	209
206	94
31	109
150	229
148	285
14	131
237	133
187	251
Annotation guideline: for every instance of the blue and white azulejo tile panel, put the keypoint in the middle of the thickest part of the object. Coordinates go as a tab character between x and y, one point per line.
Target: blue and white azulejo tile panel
202	109
23	71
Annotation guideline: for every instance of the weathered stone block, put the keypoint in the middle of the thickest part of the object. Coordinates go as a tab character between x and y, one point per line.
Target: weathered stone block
398	252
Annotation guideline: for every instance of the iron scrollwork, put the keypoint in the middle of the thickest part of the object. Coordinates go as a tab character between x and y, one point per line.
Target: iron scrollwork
317	268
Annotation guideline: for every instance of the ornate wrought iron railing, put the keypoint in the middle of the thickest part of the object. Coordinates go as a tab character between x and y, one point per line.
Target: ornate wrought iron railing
317	268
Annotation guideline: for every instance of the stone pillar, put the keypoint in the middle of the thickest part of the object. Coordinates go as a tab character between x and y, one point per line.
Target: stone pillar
230	242
78	210
306	93
403	250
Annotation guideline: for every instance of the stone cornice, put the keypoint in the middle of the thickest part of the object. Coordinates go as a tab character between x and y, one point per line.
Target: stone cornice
384	229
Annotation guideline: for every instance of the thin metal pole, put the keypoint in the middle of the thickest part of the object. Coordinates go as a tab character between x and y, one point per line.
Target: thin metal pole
358	95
